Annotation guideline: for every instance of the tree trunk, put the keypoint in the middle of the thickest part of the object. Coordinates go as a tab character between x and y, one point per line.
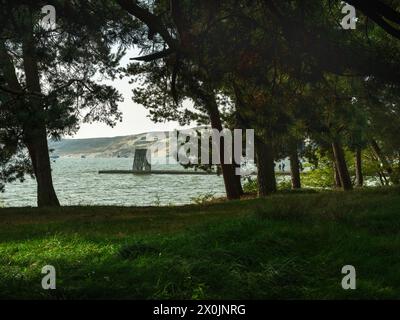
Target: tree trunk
382	178
294	166
35	137
341	166
237	166
232	183
385	163
35	133
36	143
336	176
205	95
239	184
358	166
265	168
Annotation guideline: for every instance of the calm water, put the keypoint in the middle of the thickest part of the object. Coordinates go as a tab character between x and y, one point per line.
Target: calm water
77	182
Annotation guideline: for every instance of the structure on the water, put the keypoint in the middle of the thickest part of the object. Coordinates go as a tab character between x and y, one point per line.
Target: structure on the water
141	161
142	165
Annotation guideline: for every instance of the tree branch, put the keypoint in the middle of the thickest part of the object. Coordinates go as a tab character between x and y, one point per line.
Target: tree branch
151	20
380	13
154	56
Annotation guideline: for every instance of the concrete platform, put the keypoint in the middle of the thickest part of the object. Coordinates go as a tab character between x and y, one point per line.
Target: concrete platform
156	172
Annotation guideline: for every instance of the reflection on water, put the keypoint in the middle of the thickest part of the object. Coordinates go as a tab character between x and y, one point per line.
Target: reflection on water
77	182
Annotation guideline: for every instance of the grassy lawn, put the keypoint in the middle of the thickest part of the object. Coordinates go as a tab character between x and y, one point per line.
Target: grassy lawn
290	246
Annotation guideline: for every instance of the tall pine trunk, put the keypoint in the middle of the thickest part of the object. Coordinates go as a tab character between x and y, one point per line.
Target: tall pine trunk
358	166
294	166
341	165
265	168
35	133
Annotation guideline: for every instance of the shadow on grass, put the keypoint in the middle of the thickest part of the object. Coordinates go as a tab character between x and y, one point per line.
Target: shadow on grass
282	248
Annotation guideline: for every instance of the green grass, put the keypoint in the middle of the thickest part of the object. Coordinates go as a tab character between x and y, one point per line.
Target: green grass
290	246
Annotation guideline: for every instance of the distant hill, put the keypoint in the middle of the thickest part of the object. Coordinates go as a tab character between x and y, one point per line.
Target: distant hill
122	146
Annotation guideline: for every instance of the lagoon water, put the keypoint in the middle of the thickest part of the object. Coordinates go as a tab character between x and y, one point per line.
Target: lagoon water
77	182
